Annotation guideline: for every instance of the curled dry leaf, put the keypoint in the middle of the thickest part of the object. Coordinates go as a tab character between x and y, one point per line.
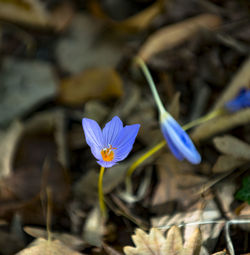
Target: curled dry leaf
226	163
44	247
134	23
93	229
71	241
34	13
155	243
21	190
232	146
173	35
93	83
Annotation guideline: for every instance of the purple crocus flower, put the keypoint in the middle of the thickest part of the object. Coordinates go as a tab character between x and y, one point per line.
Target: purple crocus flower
242	100
113	143
178	140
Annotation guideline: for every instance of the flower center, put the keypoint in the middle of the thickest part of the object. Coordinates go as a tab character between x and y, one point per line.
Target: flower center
108	153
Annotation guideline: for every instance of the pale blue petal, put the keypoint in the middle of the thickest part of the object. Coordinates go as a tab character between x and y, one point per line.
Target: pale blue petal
124	142
112	130
179	141
93	136
106	164
170	143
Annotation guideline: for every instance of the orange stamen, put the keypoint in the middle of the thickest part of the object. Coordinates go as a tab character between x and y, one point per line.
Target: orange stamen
108	154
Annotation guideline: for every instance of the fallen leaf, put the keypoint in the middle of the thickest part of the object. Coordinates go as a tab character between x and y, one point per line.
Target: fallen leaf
88	44
226	163
35	13
141	20
232	146
193	245
221	124
155	243
134	23
93	229
173	35
24	88
173	241
71	241
45	247
94	83
8	142
147	244
23	188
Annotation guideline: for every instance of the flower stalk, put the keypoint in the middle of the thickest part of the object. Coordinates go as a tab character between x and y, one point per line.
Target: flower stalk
100	193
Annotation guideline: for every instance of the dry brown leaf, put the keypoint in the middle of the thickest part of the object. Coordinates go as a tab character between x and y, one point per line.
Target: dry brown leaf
93	83
134	23
21	190
226	163
221	124
8	142
34	13
155	243
93	229
193	245
173	241
173	35
44	247
232	146
146	244
71	241
143	19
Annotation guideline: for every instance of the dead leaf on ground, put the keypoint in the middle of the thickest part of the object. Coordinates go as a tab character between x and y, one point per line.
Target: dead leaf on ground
226	163
135	23
170	186
34	13
45	247
93	229
156	243
88	44
21	190
71	241
173	35
8	142
221	124
232	146
94	83
20	86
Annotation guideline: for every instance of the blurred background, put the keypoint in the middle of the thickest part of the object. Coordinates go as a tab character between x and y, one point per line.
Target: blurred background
61	61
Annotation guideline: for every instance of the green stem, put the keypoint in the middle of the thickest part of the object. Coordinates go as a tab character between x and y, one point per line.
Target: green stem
100	193
151	84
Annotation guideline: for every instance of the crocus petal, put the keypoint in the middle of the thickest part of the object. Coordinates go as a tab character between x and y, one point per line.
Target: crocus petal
93	136
170	143
106	164
179	141
112	130
242	100
125	141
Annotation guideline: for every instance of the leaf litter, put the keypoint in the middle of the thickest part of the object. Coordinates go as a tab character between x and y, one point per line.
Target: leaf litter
60	64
